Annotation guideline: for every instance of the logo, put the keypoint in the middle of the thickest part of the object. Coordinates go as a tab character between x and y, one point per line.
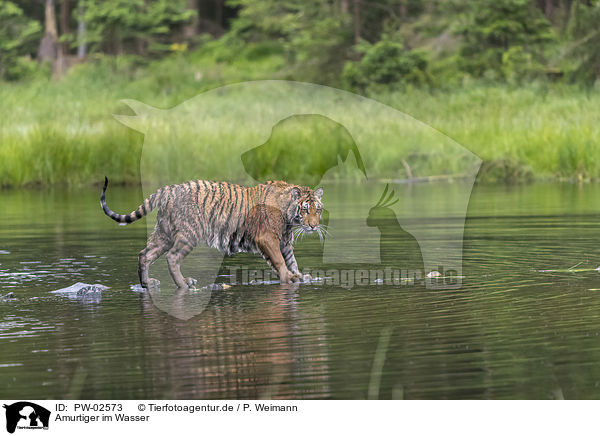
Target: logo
26	415
398	214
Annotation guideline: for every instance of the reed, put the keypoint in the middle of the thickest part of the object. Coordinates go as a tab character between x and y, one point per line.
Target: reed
62	131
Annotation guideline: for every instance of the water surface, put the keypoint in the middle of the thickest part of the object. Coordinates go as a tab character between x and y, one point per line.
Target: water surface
514	329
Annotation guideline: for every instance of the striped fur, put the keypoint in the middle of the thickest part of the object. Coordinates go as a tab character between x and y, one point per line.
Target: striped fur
144	209
231	218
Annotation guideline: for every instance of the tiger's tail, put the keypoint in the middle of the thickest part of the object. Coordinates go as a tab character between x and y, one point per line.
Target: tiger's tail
144	209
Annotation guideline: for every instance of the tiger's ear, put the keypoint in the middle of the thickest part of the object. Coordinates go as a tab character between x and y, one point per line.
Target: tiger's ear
319	193
295	193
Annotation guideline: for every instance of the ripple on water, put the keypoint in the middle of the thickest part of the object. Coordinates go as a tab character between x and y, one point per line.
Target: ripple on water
15	326
509	332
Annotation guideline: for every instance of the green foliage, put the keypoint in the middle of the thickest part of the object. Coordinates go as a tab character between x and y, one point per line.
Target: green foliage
18	37
387	63
458	50
313	34
553	130
518	64
323	40
120	26
583	48
550	129
503	35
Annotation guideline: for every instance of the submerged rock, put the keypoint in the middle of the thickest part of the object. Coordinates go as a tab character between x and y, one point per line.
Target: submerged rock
216	287
82	291
7	297
91	289
137	288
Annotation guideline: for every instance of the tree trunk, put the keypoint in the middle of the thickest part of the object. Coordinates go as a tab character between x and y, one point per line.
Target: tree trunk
548	8
48	50
81	39
344	6
219	13
191	29
64	24
50	16
117	43
356	21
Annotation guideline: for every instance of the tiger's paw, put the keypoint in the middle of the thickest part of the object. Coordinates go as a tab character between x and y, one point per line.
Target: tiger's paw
290	277
191	282
303	277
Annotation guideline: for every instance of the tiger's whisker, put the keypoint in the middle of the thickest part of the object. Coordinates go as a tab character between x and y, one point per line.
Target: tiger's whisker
320	232
324	230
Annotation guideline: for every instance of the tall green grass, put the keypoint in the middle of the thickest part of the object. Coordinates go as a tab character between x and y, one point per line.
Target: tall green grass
62	131
551	129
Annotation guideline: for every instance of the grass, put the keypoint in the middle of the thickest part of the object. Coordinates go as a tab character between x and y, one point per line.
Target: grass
62	131
551	129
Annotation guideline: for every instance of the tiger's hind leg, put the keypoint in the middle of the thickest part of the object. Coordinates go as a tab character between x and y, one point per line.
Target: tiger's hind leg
155	248
181	248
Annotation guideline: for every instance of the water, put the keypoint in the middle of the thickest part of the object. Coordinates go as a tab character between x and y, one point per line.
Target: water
512	330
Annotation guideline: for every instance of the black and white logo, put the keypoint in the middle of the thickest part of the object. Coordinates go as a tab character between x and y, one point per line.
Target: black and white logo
26	415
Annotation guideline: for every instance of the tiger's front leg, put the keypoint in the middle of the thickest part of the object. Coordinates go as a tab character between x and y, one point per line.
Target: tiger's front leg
268	244
290	260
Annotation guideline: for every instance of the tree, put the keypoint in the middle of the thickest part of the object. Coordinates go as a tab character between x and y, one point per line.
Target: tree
81	32
190	30
584	46
65	11
18	36
138	26
315	35
48	50
493	27
356	21
386	63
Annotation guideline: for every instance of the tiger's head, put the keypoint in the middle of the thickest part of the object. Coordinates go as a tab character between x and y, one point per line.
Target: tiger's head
306	210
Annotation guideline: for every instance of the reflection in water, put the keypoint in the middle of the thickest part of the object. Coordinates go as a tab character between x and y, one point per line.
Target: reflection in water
511	331
229	352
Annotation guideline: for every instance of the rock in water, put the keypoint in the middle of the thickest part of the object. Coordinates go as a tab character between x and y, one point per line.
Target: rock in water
82	291
91	289
137	288
433	274
216	287
7	297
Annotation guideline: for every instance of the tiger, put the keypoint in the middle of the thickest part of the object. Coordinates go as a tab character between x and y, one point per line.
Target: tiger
264	219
